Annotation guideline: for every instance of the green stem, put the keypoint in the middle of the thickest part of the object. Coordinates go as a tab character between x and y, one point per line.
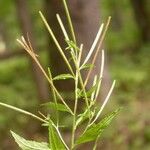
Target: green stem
95	144
98	48
23	112
69	21
54	96
80	79
75	111
75	58
54	88
56	43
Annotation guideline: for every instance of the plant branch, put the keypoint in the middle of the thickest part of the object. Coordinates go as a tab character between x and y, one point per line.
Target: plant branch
98	48
23	112
33	55
56	43
69	21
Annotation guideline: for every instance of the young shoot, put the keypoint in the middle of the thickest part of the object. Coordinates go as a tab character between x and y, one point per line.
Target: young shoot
93	124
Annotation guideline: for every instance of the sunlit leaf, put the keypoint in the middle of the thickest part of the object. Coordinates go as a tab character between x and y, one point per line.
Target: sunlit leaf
87	66
96	130
63	77
54	139
72	45
29	145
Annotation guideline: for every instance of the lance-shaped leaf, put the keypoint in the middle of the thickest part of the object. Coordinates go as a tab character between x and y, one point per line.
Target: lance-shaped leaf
63	77
89	92
87	66
72	45
54	139
96	130
58	106
29	145
82	117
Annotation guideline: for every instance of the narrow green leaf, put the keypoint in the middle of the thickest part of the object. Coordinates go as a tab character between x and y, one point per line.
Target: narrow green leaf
54	139
63	77
82	117
89	92
79	93
72	45
58	106
87	66
29	145
96	130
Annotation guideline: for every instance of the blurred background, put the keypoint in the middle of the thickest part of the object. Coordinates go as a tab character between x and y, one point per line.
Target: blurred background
127	46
